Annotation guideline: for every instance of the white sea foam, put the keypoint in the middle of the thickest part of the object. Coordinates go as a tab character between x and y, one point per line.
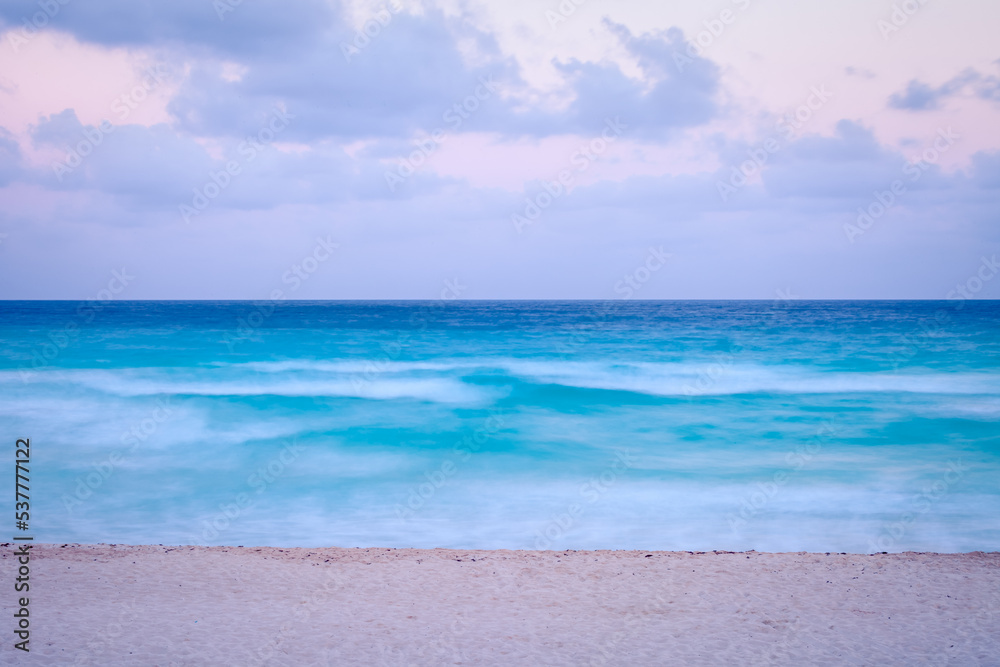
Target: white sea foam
631	515
712	378
345	366
192	382
442	381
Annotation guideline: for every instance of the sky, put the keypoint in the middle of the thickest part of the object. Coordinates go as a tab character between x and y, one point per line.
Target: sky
730	149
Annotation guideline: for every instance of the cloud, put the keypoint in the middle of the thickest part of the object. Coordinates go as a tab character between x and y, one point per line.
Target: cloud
812	177
381	90
407	77
268	26
154	169
149	165
919	96
356	103
849	163
985	172
669	97
157	169
10	158
859	72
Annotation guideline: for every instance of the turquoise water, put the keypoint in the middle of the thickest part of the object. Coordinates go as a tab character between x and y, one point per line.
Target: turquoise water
820	426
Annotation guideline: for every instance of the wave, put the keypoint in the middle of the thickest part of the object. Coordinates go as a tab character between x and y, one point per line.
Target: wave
710	377
686	379
447	380
528	515
347	366
190	382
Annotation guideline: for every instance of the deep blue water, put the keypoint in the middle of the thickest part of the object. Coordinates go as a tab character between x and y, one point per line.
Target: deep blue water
785	426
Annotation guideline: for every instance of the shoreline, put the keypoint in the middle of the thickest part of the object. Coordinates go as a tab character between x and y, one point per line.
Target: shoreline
153	604
177	547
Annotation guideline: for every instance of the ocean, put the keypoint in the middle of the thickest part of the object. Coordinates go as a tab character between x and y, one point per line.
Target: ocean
842	426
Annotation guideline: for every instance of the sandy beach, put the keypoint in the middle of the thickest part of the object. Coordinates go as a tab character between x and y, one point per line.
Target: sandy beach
163	605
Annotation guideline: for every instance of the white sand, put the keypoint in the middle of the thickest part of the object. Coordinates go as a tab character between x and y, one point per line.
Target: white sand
111	605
